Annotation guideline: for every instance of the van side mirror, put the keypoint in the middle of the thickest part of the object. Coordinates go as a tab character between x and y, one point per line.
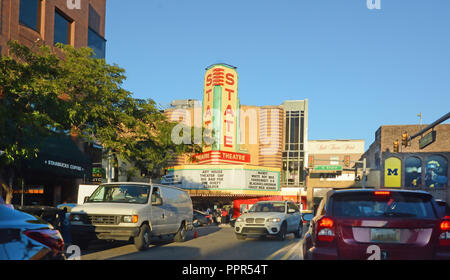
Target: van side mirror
245	211
85	199
157	202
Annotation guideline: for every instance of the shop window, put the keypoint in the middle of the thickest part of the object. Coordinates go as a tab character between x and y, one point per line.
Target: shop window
413	172
28	13
436	172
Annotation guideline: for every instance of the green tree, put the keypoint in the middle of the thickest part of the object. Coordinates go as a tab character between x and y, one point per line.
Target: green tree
66	90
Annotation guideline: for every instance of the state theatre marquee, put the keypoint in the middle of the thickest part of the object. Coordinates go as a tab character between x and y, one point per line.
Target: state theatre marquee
223	178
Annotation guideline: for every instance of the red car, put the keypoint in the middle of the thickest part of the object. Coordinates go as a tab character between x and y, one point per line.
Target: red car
378	224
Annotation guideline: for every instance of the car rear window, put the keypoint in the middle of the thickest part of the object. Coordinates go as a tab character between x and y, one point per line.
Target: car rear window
395	204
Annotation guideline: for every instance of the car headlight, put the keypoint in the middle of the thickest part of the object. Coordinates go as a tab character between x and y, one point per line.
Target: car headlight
239	219
130	219
75	218
273	220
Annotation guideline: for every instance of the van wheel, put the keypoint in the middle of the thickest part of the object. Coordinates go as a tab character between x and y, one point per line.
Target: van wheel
142	241
180	236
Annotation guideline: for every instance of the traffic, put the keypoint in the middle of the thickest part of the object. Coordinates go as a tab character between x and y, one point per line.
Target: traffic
367	224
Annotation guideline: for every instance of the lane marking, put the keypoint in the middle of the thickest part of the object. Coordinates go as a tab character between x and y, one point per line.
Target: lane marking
279	251
292	250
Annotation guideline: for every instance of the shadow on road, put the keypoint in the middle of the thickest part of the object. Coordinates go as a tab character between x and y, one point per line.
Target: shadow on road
102	245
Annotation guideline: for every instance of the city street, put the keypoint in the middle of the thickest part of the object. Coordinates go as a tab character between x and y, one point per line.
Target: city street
212	243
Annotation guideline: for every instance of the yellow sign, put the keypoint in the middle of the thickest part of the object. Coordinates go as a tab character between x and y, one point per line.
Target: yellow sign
393	173
221	108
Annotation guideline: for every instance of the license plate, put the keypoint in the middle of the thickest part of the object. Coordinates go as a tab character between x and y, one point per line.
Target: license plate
384	235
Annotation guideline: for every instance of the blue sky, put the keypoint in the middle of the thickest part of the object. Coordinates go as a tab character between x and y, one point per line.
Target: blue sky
359	68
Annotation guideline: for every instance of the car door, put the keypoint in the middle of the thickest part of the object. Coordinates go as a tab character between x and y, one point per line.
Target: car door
293	217
158	215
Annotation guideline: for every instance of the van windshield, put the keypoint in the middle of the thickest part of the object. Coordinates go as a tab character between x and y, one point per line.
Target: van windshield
120	194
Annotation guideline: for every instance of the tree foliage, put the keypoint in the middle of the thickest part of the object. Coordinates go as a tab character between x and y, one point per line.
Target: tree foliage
65	90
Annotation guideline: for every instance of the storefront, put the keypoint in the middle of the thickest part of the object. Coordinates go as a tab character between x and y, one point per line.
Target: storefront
417	171
54	175
415	166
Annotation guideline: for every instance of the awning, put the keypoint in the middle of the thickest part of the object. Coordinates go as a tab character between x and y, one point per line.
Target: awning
59	155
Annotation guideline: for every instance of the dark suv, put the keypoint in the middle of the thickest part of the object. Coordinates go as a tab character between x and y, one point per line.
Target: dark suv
378	224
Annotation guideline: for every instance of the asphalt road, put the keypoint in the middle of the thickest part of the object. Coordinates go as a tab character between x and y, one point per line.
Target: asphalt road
212	243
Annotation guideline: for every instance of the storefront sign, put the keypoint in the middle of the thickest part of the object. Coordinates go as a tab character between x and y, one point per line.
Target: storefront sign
64	165
427	139
220	156
221	109
328	168
223	177
334	147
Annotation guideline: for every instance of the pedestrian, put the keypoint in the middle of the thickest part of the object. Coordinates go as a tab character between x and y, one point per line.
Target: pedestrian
224	215
65	226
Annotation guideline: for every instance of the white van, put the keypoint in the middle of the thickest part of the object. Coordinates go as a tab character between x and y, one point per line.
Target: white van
132	211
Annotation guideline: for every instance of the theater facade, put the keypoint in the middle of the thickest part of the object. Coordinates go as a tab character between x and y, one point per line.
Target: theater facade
248	152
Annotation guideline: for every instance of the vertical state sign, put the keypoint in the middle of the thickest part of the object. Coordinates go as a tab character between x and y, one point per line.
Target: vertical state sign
221	108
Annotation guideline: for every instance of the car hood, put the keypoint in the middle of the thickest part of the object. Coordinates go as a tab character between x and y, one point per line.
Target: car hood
108	208
265	215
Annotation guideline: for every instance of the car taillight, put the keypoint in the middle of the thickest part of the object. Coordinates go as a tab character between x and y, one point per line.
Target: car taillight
48	237
444	237
382	193
325	229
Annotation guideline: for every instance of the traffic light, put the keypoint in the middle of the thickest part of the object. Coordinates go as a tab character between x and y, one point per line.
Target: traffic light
311	161
347	161
396	146
405	139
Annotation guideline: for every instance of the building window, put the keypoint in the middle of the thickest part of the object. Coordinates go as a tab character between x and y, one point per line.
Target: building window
97	44
436	172
293	157
28	13
62	29
413	172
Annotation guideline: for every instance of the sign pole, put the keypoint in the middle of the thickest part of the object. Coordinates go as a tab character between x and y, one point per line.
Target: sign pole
364	173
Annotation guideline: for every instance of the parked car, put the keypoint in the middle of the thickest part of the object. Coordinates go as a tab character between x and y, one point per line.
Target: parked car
270	218
25	237
200	218
124	211
377	224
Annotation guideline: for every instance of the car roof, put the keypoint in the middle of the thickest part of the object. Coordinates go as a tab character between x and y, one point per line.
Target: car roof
144	185
271	201
372	190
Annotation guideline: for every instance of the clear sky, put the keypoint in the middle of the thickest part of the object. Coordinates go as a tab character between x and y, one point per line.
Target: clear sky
360	68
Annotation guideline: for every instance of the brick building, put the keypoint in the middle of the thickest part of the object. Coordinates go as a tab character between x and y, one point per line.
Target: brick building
35	22
62	163
411	168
